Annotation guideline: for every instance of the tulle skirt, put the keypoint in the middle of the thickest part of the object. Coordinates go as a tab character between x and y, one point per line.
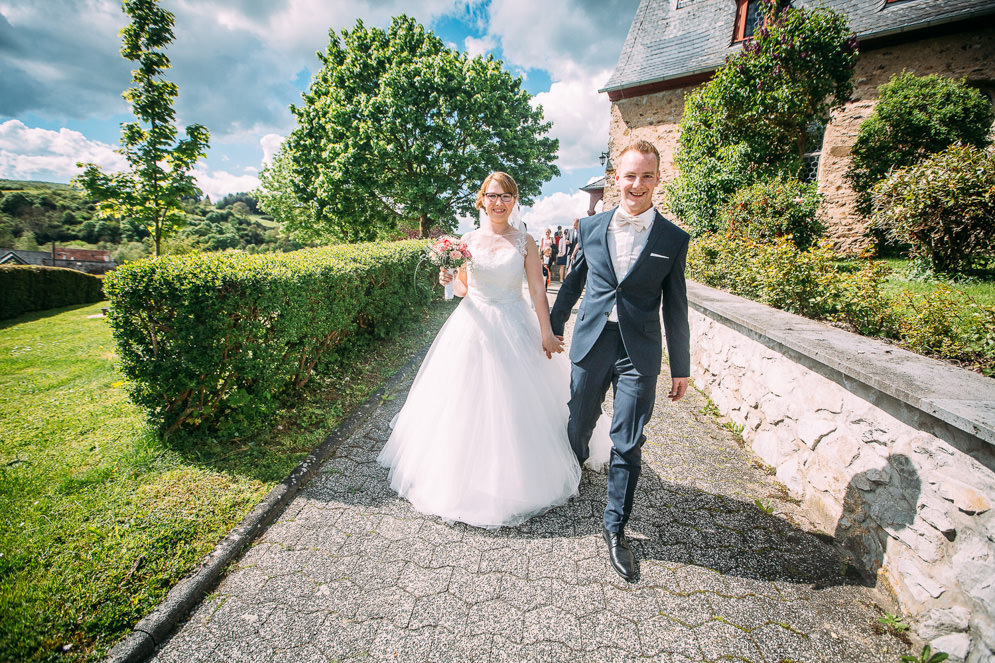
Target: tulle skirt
482	436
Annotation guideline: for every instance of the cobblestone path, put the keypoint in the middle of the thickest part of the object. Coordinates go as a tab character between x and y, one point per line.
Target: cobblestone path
728	571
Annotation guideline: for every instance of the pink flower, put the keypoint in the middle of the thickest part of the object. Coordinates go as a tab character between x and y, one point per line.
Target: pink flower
455	254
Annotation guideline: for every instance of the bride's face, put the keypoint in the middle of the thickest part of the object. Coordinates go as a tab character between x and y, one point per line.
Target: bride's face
498	203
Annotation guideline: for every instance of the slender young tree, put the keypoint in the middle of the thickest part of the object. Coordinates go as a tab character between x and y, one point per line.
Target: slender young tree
151	191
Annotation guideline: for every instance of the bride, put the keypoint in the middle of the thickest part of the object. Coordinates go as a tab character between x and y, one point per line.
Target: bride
482	437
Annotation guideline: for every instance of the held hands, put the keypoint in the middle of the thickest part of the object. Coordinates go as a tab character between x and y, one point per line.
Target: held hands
552	344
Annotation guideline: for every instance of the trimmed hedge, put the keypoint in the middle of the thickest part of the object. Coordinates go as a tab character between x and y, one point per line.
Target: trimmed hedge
25	288
217	342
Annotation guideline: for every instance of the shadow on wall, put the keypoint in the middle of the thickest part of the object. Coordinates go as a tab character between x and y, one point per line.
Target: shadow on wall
877	502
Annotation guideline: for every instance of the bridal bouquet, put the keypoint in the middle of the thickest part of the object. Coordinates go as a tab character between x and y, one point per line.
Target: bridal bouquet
450	254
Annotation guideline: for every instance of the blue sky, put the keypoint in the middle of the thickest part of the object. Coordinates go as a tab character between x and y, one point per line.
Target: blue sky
239	65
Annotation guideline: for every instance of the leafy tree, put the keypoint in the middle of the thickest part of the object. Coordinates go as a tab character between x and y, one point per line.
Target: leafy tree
152	189
752	120
916	116
277	197
397	128
246	198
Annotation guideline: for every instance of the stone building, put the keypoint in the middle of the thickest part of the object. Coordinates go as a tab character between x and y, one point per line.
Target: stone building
674	46
91	261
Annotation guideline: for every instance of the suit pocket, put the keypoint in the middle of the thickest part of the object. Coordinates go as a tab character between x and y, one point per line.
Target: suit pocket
659	255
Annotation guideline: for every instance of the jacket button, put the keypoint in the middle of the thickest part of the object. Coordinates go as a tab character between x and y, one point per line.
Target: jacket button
606	313
618	289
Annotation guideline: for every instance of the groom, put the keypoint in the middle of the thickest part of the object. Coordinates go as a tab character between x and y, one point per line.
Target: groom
631	262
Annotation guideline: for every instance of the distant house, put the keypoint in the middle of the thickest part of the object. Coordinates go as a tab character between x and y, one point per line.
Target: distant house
18	257
674	46
595	188
91	261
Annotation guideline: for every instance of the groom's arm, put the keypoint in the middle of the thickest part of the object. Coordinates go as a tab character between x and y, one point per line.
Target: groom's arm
570	290
675	317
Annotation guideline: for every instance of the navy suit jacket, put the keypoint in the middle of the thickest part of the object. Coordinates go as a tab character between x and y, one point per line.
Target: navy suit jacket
654	284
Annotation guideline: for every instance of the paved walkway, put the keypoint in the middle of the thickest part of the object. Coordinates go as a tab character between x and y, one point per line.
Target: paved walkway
349	571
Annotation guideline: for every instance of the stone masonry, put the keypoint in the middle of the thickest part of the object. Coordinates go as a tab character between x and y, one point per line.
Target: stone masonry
656	117
912	505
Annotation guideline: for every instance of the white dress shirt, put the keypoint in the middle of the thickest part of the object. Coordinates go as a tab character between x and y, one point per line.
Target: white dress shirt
625	244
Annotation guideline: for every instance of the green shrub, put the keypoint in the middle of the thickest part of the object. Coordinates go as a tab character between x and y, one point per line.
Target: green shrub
26	288
947	323
944	323
779	207
751	120
216	342
944	207
915	116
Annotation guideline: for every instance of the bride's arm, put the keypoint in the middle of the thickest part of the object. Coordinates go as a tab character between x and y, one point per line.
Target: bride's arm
537	289
460	288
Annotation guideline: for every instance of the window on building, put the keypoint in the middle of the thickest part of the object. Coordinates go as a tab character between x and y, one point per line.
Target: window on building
748	17
815	133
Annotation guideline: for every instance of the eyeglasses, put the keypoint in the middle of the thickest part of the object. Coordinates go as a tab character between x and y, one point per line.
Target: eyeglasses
505	197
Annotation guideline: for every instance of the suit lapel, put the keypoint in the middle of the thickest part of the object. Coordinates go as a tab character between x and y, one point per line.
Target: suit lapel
602	233
655	233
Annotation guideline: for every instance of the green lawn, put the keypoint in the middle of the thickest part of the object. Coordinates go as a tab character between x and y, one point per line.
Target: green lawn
98	517
981	291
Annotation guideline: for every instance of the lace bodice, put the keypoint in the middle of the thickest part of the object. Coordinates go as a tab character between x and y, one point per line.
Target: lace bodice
497	265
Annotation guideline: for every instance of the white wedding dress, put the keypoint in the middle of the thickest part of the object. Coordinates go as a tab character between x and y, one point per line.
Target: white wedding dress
482	436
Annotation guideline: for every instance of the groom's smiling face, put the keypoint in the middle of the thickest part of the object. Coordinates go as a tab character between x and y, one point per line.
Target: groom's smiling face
637	176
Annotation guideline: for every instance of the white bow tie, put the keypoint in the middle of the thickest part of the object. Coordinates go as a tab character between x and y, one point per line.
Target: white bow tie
638	224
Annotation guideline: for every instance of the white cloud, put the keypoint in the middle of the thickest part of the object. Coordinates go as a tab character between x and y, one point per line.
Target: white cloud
565	37
270	144
300	27
218	184
481	46
28	153
580	118
558	209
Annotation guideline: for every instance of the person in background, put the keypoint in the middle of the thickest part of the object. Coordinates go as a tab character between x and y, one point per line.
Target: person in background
562	253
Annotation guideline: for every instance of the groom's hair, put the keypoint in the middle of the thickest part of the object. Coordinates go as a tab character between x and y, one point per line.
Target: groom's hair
643	147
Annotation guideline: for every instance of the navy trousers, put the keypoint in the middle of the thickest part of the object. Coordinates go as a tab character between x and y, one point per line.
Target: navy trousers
634	396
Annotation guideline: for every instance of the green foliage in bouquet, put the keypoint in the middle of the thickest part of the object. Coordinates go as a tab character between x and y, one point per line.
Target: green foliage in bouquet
216	342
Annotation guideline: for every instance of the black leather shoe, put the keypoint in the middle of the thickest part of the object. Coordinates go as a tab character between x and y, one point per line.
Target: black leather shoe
620	555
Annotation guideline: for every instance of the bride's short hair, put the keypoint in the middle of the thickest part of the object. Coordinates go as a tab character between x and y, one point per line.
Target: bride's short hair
504	180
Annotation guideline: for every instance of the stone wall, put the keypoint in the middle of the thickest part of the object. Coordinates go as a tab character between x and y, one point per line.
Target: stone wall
891	453
655	117
969	55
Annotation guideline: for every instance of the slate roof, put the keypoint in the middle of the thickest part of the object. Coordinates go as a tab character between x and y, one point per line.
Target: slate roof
677	38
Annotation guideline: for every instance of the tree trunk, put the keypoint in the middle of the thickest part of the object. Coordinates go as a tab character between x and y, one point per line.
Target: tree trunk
424	225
